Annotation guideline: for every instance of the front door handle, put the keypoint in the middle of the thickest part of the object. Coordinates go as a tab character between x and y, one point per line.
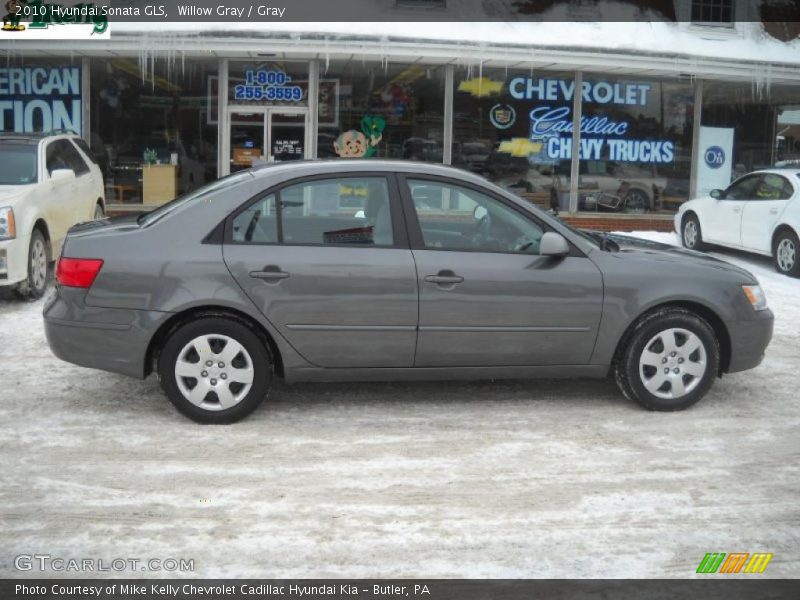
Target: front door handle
773	211
737	209
445	277
270	273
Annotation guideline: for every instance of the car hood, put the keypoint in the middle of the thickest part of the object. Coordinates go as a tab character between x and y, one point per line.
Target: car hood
639	248
13	194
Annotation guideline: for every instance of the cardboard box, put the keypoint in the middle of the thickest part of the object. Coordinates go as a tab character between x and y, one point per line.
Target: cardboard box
159	183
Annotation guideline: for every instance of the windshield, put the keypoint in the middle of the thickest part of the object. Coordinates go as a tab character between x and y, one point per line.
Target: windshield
161	211
17	163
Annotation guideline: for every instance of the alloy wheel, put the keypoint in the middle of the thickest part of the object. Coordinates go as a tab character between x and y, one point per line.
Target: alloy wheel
214	372
673	363
786	255
38	264
690	234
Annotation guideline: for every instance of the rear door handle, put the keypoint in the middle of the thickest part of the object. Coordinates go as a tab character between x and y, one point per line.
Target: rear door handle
773	211
445	277
736	210
269	273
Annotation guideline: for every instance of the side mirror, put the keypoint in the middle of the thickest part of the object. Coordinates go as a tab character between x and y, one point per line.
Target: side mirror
553	244
717	194
479	212
62	175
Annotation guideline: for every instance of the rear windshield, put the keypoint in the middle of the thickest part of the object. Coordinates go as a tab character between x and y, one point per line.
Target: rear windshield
202	192
17	163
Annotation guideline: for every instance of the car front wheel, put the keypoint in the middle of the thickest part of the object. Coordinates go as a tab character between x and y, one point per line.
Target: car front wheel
691	234
215	370
35	284
670	360
786	252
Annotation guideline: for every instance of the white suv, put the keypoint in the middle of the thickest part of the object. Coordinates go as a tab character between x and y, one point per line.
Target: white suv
759	212
48	183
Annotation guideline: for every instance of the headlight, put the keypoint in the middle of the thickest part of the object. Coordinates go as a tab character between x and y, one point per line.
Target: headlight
756	296
8	229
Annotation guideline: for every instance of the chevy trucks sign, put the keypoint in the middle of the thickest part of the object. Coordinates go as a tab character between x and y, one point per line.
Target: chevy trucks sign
604	133
40	99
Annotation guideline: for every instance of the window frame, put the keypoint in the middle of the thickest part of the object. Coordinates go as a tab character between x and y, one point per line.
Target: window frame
415	236
399	233
710	5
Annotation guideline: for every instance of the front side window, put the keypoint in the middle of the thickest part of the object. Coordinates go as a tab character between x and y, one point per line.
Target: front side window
337	211
743	188
456	218
74	159
56	158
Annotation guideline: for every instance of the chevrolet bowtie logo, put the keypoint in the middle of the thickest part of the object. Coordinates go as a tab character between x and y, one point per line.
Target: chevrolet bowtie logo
520	147
480	87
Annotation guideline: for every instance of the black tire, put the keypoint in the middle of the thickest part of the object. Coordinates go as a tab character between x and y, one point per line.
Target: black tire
224	327
35	284
692	242
786	253
627	366
637	200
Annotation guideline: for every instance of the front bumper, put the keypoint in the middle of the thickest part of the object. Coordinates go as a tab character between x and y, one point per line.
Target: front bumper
14	260
109	339
749	341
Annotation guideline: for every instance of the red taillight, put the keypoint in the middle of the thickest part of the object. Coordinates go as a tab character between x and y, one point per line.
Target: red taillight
77	272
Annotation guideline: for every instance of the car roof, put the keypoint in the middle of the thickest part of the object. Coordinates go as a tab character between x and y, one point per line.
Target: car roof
337	165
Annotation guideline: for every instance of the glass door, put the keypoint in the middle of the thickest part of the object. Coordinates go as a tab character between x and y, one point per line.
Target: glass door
287	134
247	138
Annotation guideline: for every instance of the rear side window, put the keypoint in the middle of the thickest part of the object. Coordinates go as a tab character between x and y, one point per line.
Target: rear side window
258	224
774	187
336	211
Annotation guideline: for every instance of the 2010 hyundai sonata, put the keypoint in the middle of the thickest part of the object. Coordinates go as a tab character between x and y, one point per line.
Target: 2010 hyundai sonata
380	270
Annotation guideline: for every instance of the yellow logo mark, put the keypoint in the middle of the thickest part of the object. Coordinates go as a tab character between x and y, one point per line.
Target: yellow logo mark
480	87
520	147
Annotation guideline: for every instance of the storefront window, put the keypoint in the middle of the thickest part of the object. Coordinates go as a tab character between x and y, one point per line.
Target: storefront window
635	149
41	95
636	140
511	126
381	110
744	128
166	116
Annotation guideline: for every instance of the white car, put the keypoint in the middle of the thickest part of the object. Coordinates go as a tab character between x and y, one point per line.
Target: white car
48	183
759	212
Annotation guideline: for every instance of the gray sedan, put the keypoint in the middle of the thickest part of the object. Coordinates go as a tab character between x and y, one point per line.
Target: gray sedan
380	270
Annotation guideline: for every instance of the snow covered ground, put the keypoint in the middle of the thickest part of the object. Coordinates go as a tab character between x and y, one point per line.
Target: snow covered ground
511	479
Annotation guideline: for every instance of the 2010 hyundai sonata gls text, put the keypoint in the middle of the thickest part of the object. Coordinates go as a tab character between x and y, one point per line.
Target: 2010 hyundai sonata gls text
379	270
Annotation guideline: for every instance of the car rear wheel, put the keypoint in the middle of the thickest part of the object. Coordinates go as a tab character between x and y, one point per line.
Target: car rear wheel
38	265
99	213
786	253
669	361
691	234
215	370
